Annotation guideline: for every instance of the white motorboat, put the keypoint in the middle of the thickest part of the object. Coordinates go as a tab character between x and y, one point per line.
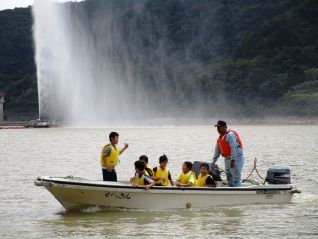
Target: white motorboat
76	193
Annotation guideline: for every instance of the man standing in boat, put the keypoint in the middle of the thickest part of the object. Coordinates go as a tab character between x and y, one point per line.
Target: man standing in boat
230	146
110	156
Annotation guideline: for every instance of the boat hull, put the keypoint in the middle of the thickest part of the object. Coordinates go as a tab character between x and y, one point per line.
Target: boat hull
75	194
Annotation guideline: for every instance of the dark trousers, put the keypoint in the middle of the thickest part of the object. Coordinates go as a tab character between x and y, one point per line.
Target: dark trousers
109	176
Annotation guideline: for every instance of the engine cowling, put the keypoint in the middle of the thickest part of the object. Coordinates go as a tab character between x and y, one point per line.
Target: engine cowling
278	176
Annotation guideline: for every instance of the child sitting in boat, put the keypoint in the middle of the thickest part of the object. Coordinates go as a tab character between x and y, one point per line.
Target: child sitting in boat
139	178
205	179
161	174
148	171
186	178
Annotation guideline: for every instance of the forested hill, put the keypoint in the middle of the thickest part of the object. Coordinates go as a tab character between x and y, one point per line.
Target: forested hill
17	67
259	57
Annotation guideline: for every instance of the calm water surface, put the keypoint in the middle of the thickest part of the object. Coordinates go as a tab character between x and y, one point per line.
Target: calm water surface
27	211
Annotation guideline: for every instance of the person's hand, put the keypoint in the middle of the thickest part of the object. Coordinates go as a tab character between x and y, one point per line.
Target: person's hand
178	184
135	185
109	169
126	146
148	187
232	163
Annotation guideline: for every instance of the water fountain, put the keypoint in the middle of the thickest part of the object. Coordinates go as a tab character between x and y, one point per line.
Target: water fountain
108	62
85	76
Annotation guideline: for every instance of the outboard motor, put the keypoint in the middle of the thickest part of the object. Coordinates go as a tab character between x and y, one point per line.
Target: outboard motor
278	176
214	171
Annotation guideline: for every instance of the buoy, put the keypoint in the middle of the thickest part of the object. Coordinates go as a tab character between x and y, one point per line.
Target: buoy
188	205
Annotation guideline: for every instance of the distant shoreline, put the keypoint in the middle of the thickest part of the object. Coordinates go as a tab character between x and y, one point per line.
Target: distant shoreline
171	121
242	121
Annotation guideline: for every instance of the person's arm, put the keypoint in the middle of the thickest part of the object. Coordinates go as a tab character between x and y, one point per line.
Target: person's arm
123	149
170	179
149	183
191	181
189	184
216	154
231	139
185	185
105	155
178	183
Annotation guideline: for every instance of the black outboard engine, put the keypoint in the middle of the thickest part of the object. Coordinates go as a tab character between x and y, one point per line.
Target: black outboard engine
214	171
278	176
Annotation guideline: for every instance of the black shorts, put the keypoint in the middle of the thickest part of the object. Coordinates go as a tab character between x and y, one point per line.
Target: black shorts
109	176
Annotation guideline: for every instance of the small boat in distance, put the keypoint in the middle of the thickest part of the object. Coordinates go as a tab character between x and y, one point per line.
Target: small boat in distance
77	193
39	123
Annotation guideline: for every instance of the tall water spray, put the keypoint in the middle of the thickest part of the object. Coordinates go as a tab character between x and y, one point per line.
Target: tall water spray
103	62
84	68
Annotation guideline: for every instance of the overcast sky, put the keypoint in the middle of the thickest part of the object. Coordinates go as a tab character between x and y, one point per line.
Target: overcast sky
10	4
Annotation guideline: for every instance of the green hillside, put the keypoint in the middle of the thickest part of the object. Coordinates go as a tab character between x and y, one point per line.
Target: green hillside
17	68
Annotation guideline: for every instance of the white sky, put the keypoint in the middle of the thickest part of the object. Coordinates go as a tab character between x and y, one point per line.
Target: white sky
10	4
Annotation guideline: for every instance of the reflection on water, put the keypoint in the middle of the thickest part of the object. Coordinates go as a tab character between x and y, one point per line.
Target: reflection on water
31	212
239	221
138	223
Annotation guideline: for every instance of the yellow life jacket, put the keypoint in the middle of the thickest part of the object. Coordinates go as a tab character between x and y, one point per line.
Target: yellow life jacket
184	178
162	174
201	182
139	180
112	158
148	172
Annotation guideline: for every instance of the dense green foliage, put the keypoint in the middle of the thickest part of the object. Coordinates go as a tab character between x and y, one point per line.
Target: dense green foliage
260	57
17	68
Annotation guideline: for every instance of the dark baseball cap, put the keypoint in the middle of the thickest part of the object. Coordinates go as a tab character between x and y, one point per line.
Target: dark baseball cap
220	123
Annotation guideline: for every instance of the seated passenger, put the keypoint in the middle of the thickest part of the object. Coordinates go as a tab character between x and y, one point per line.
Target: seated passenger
186	178
161	174
139	178
148	171
205	179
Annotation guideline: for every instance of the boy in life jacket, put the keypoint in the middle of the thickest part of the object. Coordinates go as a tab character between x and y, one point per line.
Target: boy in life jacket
161	174
204	178
110	157
148	171
230	146
186	178
139	178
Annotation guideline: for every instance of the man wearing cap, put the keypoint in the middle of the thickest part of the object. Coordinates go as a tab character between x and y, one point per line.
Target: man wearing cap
230	146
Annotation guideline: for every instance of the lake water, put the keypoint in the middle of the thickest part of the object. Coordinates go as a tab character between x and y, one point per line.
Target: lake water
27	211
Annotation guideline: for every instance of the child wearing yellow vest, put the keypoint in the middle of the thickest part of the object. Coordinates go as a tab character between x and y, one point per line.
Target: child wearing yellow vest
110	156
186	178
139	178
204	179
148	171
161	174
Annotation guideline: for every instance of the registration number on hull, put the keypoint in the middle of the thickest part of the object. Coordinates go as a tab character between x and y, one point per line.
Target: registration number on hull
120	196
268	191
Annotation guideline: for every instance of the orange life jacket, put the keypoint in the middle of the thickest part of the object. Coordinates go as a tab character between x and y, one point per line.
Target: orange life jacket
224	146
